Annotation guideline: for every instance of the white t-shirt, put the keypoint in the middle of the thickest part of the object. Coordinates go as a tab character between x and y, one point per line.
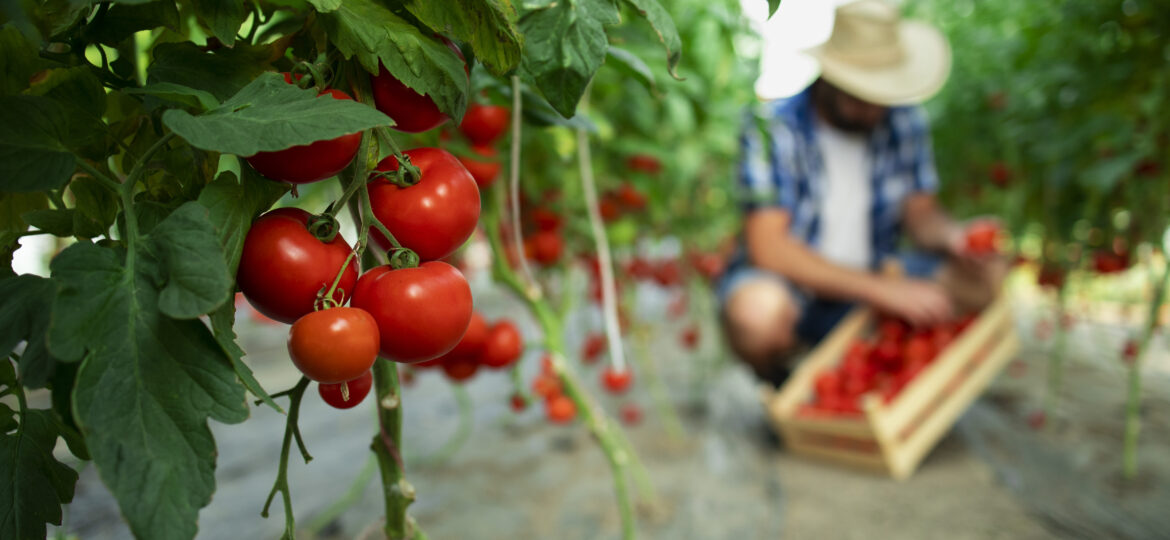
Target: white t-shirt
846	196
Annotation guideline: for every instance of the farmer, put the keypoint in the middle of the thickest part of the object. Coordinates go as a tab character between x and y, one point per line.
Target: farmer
833	176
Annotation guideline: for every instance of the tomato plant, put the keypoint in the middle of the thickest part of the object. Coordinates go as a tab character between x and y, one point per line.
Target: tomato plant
430	303
483	124
334	345
354	393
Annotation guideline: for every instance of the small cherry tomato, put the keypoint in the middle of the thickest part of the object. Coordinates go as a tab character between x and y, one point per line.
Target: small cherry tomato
546	386
982	237
616	382
459	368
547	247
483	124
631	414
561	409
503	345
690	337
593	347
334	345
518	403
644	163
283	266
483	171
357	390
433	217
474	339
422	312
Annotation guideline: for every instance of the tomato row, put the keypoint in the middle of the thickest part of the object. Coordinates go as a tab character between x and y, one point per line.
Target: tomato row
884	363
494	346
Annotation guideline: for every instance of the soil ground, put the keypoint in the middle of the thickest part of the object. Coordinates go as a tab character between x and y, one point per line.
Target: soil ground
725	476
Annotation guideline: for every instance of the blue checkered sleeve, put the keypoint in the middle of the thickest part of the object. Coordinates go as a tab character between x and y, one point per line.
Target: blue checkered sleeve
768	165
925	177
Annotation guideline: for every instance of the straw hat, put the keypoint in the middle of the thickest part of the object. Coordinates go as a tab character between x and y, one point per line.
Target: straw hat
875	55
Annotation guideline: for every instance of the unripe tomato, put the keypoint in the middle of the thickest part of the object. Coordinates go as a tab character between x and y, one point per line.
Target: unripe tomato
412	112
358	389
483	124
433	217
283	266
616	382
484	172
547	247
334	345
309	162
422	312
503	346
561	409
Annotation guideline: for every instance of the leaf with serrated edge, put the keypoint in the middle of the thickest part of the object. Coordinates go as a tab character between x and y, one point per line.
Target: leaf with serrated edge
222	72
222	321
25	304
35	484
146	388
663	25
176	93
270	114
564	45
487	25
373	33
224	17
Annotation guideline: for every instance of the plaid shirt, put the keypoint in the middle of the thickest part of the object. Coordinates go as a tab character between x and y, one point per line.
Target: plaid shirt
782	167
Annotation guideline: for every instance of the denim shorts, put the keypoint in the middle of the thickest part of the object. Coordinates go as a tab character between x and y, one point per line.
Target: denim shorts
818	316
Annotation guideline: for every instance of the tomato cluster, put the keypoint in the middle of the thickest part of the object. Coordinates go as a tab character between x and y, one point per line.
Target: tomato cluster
885	364
559	408
494	346
483	125
625	199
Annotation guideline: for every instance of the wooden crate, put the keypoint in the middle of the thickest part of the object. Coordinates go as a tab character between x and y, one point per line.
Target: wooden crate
894	437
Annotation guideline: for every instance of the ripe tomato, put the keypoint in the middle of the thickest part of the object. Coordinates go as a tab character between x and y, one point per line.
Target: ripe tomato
484	172
546	385
518	403
503	346
283	266
631	414
334	345
411	111
422	313
592	348
547	247
668	274
459	368
919	351
561	409
609	208
546	220
433	217
483	124
690	337
358	389
1109	262
1050	275
982	237
309	162
827	383
631	198
616	382
887	353
1129	352
1001	175
473	340
644	163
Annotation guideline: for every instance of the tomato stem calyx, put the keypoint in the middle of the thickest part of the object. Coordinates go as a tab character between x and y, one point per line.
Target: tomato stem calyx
324	227
402	258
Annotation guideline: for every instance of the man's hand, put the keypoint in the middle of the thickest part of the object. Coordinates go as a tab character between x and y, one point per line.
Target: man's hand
921	303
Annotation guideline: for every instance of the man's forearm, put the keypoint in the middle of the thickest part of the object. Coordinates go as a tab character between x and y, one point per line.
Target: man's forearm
806	268
929	227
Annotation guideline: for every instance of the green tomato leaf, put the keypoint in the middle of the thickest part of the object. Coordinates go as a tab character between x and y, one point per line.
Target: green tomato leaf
234	204
223	17
663	25
325	6
488	25
33	154
7	415
25	304
94	202
35	484
186	96
57	222
222	321
196	278
371	32
270	114
122	20
773	5
222	72
18	61
81	94
62	382
146	388
631	65
564	45
14	205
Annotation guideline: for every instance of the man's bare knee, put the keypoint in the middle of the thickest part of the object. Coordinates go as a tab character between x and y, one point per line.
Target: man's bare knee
760	317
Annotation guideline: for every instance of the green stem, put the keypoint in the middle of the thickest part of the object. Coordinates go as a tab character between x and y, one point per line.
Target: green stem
351	497
674	427
1133	419
397	493
514	186
281	484
97	175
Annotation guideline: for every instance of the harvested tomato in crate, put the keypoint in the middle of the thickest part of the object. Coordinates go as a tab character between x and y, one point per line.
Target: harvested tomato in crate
879	394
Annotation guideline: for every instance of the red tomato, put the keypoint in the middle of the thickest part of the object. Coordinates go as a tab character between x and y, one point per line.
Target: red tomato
942	336
433	217
483	124
546	386
283	266
473	341
609	209
309	162
546	365
982	237
503	346
639	268
547	247
631	198
1050	275
892	328
411	111
518	403
690	337
422	312
668	274
459	368
631	414
1001	175
334	345
546	220
1129	352
593	347
888	353
484	172
709	265
616	382
357	389
1108	262
644	163
827	383
919	351
561	409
